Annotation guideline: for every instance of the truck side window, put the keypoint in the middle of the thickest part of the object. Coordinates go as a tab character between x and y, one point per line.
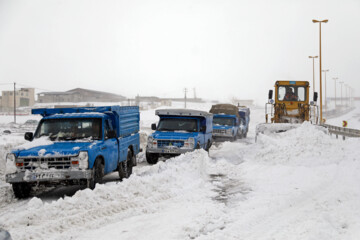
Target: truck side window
107	128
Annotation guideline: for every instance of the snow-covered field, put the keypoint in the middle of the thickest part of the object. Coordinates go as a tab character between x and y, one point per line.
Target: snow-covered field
300	184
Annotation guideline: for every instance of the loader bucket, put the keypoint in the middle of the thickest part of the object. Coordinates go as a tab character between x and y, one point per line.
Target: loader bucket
270	128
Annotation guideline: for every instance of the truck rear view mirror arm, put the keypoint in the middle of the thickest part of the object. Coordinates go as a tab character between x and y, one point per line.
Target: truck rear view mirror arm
203	129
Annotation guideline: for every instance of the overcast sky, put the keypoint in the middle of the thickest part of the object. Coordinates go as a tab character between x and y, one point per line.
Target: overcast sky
222	48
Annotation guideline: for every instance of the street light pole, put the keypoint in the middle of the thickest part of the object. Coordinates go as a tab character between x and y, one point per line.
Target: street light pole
14	102
341	99
325	71
317	21
313	58
335	78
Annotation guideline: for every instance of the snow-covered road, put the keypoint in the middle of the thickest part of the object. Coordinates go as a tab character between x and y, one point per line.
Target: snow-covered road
301	184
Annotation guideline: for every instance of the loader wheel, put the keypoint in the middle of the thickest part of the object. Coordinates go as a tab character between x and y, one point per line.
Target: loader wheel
21	190
152	158
125	167
98	175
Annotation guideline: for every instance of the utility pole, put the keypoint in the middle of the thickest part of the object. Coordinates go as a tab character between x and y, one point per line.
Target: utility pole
14	102
185	91
194	93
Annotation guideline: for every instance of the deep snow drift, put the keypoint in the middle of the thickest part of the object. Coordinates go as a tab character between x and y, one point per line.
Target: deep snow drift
300	184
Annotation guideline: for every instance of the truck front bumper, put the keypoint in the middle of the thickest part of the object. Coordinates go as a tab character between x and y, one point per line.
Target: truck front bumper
164	151
222	137
48	176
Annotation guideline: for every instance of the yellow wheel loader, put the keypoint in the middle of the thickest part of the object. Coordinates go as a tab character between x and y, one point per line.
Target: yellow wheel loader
290	108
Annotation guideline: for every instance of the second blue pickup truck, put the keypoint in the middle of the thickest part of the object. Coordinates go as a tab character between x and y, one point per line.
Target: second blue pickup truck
230	122
179	131
75	146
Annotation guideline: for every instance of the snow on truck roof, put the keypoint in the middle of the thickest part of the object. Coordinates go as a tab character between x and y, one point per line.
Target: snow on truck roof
80	110
182	112
76	115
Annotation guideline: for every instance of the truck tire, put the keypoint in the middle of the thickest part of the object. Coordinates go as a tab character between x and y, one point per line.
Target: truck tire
125	167
98	175
198	145
21	190
245	134
239	135
152	158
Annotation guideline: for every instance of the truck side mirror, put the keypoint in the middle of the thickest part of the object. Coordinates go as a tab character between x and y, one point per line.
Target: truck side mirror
315	96
153	126
270	94
203	129
29	136
111	134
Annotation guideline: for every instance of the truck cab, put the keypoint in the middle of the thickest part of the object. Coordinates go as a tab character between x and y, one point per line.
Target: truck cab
179	131
225	127
75	146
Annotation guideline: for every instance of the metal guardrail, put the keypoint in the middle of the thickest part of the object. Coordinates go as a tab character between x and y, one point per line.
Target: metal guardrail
344	132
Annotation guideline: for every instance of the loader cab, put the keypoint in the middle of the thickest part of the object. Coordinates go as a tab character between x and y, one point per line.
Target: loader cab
291	93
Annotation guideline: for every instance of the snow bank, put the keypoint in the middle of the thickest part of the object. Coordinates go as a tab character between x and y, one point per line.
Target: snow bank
178	193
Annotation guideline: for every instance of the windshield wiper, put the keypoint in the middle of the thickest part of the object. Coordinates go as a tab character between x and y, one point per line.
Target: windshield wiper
166	129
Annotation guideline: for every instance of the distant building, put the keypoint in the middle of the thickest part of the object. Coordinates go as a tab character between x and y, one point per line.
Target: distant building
25	97
79	95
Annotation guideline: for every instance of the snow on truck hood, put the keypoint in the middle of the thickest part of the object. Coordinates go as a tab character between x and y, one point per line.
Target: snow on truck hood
174	135
45	147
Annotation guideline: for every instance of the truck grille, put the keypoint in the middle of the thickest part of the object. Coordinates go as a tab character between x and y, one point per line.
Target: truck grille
176	143
46	163
222	131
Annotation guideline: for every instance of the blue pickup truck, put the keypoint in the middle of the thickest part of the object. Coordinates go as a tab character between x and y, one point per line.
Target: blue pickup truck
75	146
179	131
230	122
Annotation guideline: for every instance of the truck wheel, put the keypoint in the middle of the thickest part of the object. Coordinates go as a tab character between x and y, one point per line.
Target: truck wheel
21	190
240	135
125	167
98	170
245	134
152	158
198	145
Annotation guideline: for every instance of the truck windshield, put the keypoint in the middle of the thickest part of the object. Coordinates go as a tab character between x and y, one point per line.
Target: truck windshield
178	124
291	93
223	121
70	129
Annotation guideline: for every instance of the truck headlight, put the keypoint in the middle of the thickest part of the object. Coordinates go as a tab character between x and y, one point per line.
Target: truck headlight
189	143
10	163
152	143
81	160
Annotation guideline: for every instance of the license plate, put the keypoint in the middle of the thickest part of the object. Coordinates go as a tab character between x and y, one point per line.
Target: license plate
169	151
39	176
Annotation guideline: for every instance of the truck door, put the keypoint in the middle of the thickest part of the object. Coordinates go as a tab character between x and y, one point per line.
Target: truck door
111	149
